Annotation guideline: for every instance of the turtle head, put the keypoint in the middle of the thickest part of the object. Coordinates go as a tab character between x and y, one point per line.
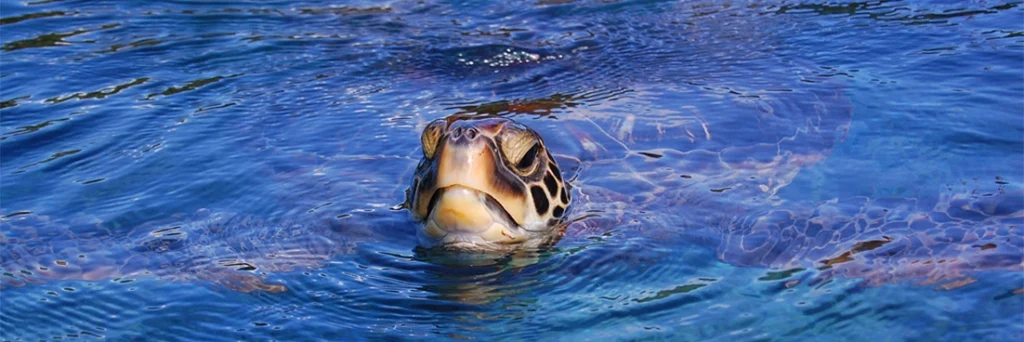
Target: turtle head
485	184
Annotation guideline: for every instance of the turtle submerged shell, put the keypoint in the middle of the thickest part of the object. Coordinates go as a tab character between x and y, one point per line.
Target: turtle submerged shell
718	181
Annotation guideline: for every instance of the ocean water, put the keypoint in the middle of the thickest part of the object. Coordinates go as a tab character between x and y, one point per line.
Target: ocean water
741	171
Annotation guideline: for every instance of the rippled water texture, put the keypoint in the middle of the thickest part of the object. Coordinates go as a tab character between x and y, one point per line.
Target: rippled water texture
204	171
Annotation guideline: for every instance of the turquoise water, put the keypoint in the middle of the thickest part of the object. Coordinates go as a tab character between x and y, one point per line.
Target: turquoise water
198	170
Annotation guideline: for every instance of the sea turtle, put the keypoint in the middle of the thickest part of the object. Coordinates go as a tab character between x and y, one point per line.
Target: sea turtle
486	184
672	178
710	181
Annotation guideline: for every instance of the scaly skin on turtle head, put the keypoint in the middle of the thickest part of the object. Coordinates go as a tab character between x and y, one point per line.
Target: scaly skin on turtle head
486	184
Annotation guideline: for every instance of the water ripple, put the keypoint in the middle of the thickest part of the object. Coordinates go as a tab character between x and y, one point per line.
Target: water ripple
213	171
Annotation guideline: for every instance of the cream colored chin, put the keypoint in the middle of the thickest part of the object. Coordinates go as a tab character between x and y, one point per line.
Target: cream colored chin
462	217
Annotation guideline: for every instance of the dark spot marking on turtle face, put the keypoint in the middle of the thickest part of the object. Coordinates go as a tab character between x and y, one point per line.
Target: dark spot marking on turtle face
540	199
554	169
549	181
565	196
558	211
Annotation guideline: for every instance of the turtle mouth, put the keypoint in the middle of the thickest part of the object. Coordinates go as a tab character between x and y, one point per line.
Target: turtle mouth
461	216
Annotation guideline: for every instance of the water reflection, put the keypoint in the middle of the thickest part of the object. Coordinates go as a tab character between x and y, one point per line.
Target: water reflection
482	277
744	172
897	11
52	39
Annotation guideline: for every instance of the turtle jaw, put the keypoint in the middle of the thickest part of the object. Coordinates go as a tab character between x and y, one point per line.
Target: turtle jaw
464	218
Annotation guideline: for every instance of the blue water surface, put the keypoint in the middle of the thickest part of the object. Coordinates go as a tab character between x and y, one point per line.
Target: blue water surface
207	171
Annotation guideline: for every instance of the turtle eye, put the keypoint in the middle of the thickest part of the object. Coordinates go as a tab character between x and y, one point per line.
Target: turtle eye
431	135
521	148
528	158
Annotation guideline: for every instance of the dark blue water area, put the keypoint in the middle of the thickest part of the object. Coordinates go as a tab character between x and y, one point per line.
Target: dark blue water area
813	171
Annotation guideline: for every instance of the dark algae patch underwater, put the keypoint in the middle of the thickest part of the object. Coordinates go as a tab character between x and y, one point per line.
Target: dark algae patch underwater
737	171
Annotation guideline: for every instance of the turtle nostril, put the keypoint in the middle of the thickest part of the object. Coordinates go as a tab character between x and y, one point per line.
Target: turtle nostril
463	132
